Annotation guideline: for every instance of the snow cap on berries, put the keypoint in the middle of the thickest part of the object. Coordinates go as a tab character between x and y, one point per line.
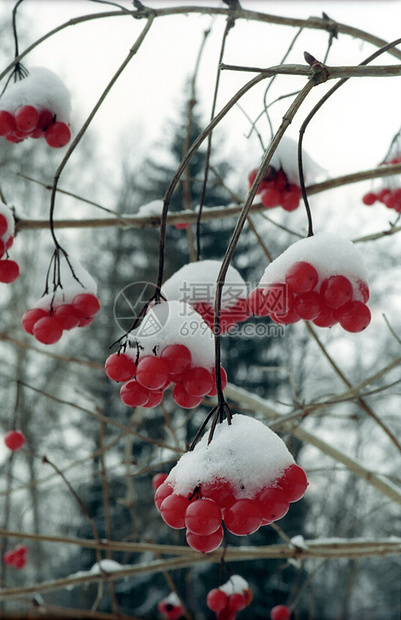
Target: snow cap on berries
286	157
174	322
41	89
236	583
71	286
196	282
329	254
247	453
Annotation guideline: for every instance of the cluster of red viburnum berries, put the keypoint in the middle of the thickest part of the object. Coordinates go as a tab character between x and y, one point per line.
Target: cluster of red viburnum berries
336	300
47	324
16	557
9	269
29	122
170	607
275	190
145	379
227	600
203	511
391	198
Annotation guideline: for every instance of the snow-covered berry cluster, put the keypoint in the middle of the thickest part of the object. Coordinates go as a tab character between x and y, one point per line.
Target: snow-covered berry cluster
230	598
16	557
320	279
195	284
389	196
172	346
245	477
9	269
280	185
14	440
37	106
280	612
73	305
170	607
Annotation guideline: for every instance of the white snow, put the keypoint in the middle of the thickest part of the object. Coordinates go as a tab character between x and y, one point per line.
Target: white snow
286	157
247	453
329	254
172	599
236	583
174	322
70	286
196	282
108	566
42	89
154	207
6	211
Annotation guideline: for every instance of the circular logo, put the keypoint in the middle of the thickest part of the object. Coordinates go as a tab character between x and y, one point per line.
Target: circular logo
129	303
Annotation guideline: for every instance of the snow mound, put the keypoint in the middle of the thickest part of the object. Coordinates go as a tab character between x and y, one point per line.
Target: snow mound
236	583
154	207
42	89
329	254
196	283
286	157
70	286
247	453
8	214
174	322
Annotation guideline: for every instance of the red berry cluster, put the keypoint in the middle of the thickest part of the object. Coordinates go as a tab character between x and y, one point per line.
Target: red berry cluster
145	379
47	323
203	511
275	190
229	599
16	557
14	440
30	122
9	269
170	607
280	612
333	300
391	198
229	316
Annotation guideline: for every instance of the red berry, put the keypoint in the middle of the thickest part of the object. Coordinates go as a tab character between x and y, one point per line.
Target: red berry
67	316
152	372
243	517
7	123
86	304
326	317
182	226
205	544
280	612
47	330
257	303
270	197
9	271
31	317
293	482
14	440
362	289
220	490
301	277
3	224
286	318
46	118
163	490
177	357
184	399
157	480
26	118
308	305
58	135
355	318
226	614
203	517
236	601
173	509
369	199
252	176
281	180
2	248
289	201
197	381
120	367
155	398
336	291
9	242
382	194
216	599
273	502
133	394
